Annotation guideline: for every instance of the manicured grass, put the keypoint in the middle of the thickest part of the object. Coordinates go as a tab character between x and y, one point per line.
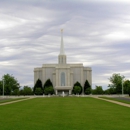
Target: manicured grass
69	113
10	100
115	99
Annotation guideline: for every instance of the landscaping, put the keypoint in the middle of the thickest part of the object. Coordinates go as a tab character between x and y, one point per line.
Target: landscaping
68	113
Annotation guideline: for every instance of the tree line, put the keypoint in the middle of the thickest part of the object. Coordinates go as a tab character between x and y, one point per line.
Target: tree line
12	87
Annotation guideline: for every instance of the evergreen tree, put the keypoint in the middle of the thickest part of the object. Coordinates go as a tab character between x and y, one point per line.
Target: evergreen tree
77	84
87	87
48	87
77	89
38	85
48	83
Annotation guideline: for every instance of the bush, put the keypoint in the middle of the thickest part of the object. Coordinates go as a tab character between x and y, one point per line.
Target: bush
38	91
76	89
48	90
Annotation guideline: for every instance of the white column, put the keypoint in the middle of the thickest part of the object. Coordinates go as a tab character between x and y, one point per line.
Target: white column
57	83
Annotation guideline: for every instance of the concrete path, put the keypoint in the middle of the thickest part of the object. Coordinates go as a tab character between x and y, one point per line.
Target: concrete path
5	103
116	102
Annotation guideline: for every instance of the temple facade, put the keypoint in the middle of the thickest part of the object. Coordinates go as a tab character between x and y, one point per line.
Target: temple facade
63	75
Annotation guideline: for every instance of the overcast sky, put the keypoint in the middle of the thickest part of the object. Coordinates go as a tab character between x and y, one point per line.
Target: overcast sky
96	33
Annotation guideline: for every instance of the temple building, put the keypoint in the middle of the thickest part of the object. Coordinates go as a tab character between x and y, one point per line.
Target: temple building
63	75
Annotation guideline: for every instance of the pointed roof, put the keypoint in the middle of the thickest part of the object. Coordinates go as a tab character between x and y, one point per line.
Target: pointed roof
62	52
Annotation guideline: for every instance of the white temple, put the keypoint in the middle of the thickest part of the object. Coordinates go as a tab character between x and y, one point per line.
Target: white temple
63	75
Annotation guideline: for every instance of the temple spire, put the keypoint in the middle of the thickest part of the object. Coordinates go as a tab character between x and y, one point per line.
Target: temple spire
62	52
62	56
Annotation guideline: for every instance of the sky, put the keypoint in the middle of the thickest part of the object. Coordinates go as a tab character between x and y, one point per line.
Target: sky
96	33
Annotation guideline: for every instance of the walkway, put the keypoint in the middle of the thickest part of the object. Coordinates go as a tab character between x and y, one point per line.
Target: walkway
116	102
5	103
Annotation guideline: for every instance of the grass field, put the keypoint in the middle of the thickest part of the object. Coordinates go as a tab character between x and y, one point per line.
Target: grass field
69	113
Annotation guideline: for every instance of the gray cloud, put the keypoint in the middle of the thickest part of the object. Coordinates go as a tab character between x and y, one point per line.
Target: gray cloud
95	34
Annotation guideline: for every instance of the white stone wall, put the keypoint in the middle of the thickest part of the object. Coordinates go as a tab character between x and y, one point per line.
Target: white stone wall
37	74
73	73
76	74
88	75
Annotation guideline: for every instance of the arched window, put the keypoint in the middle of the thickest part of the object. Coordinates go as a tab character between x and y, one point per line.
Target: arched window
62	79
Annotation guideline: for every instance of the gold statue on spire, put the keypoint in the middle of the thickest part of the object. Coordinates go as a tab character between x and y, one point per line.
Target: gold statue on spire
61	30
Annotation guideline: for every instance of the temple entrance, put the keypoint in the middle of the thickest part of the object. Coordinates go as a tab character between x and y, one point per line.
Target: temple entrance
66	92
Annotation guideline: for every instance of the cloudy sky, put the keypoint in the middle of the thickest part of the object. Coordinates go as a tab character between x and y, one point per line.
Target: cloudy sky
96	33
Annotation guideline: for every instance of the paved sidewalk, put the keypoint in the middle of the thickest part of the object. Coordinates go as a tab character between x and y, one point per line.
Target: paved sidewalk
5	103
116	102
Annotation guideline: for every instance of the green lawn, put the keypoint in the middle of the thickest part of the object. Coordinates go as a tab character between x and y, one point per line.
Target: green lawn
69	113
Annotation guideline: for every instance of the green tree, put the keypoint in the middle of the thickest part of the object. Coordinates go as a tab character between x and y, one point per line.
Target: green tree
48	90
48	87
38	85
38	91
98	90
127	87
16	92
77	84
76	89
116	83
48	83
11	85
87	87
88	91
27	90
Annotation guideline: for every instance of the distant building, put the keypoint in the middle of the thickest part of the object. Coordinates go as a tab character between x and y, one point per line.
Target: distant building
63	75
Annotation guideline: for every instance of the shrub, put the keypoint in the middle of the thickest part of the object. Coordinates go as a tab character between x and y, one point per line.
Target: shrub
48	90
76	89
38	91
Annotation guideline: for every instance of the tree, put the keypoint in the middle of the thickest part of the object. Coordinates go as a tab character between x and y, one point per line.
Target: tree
87	91
48	83
116	83
48	90
16	92
76	89
98	90
11	85
87	87
38	85
77	84
27	91
38	91
48	87
127	87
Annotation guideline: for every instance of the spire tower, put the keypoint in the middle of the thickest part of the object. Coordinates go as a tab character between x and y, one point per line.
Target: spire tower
62	52
62	56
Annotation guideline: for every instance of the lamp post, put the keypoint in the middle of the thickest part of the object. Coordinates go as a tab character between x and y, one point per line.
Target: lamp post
3	86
